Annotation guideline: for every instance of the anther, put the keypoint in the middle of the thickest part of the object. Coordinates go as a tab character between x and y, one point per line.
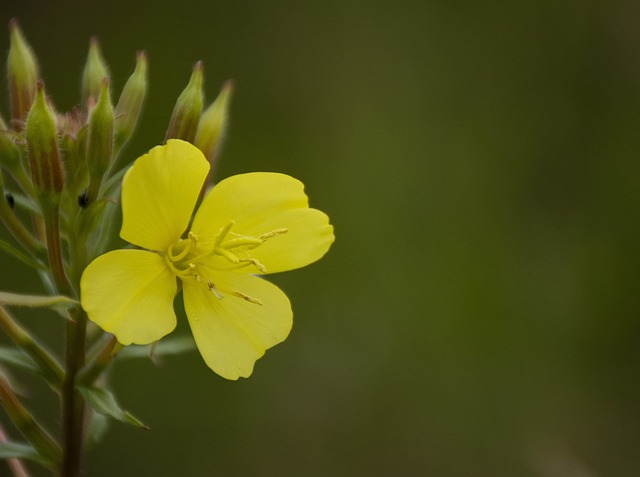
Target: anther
273	233
248	298
256	263
215	290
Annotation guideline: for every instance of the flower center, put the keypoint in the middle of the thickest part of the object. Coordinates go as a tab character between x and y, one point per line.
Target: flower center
193	258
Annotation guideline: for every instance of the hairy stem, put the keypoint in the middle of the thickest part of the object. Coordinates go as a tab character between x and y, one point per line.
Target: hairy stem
72	403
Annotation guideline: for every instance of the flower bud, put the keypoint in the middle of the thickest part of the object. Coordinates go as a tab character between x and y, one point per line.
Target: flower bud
22	68
130	102
43	151
186	112
73	141
213	124
100	142
95	71
9	152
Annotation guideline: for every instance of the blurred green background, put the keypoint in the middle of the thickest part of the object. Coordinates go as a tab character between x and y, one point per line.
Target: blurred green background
479	313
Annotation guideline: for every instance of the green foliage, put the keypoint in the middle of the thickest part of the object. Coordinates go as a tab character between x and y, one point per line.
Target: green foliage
104	402
19	359
20	450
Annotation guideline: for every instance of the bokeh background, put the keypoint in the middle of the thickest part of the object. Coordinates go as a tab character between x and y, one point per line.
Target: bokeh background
479	313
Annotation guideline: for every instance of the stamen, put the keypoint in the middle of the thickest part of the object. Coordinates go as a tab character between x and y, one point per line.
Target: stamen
215	291
256	263
248	298
273	233
243	242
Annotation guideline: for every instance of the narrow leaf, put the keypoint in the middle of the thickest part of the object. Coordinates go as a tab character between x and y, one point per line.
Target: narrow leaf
16	299
103	402
19	450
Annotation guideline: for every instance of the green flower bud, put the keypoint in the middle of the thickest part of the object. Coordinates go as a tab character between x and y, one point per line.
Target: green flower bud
213	124
95	71
23	73
9	152
74	145
186	112
100	142
130	102
43	151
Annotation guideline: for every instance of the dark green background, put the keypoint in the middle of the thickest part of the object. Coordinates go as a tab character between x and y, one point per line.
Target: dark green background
479	313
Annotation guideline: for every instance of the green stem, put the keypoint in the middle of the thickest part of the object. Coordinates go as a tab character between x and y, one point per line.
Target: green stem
54	251
53	372
39	438
72	404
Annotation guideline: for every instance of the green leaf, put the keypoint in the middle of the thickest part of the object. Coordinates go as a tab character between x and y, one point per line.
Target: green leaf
19	359
103	402
19	450
166	347
16	299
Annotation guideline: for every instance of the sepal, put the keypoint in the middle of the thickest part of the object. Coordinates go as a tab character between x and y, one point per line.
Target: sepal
186	113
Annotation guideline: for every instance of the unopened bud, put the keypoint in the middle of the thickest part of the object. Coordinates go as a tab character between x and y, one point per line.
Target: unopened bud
130	102
186	112
95	71
213	124
43	151
74	145
22	68
9	152
100	142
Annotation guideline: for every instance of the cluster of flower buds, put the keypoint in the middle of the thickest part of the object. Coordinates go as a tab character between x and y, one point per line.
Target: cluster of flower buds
63	163
65	153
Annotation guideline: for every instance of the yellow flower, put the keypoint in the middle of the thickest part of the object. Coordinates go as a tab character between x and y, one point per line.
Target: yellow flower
247	224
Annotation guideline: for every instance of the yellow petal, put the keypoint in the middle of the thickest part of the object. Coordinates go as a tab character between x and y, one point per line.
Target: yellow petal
159	192
262	202
130	293
234	331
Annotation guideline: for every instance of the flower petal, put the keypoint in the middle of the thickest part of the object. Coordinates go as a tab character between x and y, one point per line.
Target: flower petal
233	332
130	293
262	202
159	192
